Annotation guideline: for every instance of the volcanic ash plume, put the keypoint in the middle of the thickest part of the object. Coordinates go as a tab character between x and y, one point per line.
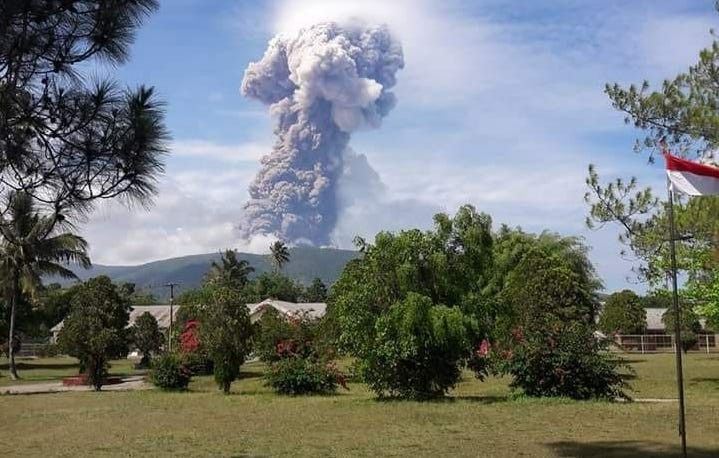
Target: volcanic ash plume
321	84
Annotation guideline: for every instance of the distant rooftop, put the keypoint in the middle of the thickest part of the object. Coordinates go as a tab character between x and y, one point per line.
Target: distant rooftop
161	312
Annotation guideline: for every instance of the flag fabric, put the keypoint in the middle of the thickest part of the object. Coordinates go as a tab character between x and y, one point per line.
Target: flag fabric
692	178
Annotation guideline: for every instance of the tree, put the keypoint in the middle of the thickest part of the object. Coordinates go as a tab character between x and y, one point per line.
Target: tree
418	348
95	330
316	292
64	141
658	299
557	358
623	313
280	254
682	117
544	284
32	245
441	274
689	325
274	285
706	296
147	337
226	334
231	272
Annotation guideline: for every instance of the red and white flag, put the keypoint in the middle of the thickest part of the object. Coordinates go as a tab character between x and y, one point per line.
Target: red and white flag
692	178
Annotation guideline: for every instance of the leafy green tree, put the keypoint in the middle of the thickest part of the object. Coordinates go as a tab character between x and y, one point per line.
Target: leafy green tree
689	327
316	292
231	272
706	296
95	330
623	313
511	246
129	290
682	117
147	337
226	334
69	139
448	267
280	254
543	284
658	299
274	285
418	349
32	245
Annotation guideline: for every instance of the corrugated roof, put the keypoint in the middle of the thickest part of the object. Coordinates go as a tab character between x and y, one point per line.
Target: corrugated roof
162	312
313	309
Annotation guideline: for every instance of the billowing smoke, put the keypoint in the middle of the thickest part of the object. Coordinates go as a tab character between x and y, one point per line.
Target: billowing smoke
321	84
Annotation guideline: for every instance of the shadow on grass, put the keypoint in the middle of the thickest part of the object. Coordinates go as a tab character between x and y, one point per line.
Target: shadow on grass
250	375
30	366
705	380
626	449
633	360
450	399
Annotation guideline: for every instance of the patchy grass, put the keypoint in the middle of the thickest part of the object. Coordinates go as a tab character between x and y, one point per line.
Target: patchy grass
479	419
54	369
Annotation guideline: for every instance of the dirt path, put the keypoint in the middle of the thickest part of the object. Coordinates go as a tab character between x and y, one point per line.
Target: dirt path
135	382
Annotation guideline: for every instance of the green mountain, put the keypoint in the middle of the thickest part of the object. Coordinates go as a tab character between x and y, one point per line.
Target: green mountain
305	264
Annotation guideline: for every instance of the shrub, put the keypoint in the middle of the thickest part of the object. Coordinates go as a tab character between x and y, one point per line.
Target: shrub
226	334
197	363
169	373
418	349
563	359
95	330
48	351
294	376
147	337
189	339
296	333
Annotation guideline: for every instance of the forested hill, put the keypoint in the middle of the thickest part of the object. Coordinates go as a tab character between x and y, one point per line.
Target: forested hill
305	264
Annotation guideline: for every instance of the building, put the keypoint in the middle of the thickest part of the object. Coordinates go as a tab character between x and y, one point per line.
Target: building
313	309
162	312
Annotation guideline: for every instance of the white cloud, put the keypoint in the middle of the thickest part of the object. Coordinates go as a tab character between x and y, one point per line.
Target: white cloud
204	149
196	211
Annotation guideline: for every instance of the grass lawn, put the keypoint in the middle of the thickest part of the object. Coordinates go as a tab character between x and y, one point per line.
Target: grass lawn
480	419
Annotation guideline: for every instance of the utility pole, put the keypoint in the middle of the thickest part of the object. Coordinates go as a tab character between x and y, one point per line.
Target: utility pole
172	303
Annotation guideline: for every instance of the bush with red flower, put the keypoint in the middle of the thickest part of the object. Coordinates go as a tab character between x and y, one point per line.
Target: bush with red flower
298	363
562	359
192	353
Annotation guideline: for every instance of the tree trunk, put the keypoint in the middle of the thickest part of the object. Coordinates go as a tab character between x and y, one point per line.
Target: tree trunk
11	338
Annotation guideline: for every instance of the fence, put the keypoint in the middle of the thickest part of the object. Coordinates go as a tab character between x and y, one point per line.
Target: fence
663	343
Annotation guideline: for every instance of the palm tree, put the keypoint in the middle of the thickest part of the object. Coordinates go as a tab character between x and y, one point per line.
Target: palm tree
280	254
30	247
231	271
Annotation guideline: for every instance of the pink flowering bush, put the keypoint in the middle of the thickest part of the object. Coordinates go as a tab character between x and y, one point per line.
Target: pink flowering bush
296	363
562	359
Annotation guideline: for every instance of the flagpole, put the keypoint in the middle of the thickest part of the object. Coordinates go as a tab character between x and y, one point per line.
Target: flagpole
677	320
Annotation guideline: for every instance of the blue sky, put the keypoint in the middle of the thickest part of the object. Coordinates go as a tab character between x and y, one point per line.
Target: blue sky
500	105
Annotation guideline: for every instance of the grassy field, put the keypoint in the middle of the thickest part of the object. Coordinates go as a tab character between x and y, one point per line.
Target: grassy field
480	419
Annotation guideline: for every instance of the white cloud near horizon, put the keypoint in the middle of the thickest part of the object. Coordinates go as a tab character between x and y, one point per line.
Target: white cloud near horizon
205	149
